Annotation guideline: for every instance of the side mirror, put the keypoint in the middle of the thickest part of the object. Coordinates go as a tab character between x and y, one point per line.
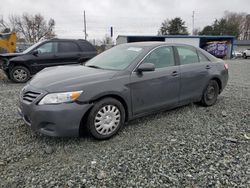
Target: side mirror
35	52
146	67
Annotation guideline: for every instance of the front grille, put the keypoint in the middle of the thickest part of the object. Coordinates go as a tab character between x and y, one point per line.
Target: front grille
30	96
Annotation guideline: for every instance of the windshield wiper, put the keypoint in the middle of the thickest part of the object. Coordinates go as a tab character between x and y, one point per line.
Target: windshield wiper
94	66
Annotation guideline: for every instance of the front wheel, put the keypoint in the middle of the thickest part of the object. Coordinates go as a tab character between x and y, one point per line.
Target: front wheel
244	56
19	74
210	94
106	118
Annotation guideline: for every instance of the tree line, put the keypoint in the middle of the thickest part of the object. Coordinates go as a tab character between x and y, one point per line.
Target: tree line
232	23
33	28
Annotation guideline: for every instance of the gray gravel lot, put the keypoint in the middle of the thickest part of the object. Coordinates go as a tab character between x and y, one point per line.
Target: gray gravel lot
191	146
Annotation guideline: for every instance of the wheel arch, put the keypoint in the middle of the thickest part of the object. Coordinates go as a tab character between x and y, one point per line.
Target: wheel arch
111	95
15	64
219	83
117	97
217	79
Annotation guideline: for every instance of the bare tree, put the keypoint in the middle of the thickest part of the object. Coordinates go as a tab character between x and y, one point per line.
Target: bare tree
232	23
236	22
246	28
107	40
196	31
32	28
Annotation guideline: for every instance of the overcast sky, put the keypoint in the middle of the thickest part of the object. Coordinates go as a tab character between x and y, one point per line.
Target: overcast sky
128	17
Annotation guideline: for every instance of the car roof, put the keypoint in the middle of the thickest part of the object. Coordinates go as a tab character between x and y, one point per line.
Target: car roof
61	39
154	44
151	45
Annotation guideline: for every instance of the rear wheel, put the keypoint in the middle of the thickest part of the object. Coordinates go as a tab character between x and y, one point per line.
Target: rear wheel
19	74
244	56
106	118
210	94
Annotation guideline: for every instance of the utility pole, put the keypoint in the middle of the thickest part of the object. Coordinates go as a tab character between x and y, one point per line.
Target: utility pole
1	19
193	23
85	28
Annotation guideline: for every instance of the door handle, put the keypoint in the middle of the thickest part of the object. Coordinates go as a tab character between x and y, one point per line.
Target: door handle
174	73
208	67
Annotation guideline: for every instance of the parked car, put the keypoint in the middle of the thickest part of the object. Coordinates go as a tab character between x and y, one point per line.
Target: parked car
237	54
19	67
246	53
120	84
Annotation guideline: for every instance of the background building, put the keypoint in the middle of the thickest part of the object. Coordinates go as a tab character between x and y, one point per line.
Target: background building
241	45
198	41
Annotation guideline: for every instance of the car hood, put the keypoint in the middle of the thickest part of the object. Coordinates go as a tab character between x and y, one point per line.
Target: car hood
68	78
10	55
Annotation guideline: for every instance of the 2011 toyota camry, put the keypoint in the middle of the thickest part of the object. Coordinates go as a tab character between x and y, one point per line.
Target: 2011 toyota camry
123	83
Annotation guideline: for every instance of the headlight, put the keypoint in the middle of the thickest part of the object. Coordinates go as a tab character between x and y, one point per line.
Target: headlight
56	98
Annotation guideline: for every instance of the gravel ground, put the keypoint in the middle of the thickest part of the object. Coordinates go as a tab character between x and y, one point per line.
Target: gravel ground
191	146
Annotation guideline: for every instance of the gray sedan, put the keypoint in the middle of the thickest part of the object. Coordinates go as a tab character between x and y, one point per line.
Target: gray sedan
123	83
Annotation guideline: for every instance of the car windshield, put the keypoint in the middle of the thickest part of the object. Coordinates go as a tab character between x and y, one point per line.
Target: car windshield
117	58
32	47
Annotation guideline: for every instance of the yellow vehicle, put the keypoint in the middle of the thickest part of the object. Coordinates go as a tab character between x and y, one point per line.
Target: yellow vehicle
7	42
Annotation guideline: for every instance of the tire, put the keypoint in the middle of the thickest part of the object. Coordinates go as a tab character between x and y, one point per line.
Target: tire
19	74
106	118
210	94
244	56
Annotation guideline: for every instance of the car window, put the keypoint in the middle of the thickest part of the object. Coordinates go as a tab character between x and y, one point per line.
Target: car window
49	47
87	46
68	47
161	57
116	58
187	55
202	57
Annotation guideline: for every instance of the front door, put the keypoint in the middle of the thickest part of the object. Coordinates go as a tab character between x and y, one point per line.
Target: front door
157	89
45	56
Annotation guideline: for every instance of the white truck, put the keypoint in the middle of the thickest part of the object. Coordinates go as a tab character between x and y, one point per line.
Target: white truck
246	54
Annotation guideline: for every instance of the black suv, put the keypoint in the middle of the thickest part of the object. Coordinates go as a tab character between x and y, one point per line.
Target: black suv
20	66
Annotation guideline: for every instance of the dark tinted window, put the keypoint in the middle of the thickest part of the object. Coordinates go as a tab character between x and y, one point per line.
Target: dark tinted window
68	47
202	57
161	57
49	47
86	46
187	55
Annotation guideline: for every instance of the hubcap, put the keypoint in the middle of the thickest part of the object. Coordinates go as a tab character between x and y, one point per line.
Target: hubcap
107	119
210	92
20	74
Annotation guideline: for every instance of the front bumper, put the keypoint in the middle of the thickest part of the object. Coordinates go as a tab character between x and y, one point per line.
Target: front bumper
53	120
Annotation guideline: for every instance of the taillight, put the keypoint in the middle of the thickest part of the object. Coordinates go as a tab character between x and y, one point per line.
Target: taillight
226	65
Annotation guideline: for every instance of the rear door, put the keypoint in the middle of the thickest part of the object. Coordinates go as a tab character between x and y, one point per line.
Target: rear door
156	89
194	73
88	51
68	53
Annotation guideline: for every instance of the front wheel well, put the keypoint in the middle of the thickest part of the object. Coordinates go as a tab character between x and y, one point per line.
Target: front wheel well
12	65
117	97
